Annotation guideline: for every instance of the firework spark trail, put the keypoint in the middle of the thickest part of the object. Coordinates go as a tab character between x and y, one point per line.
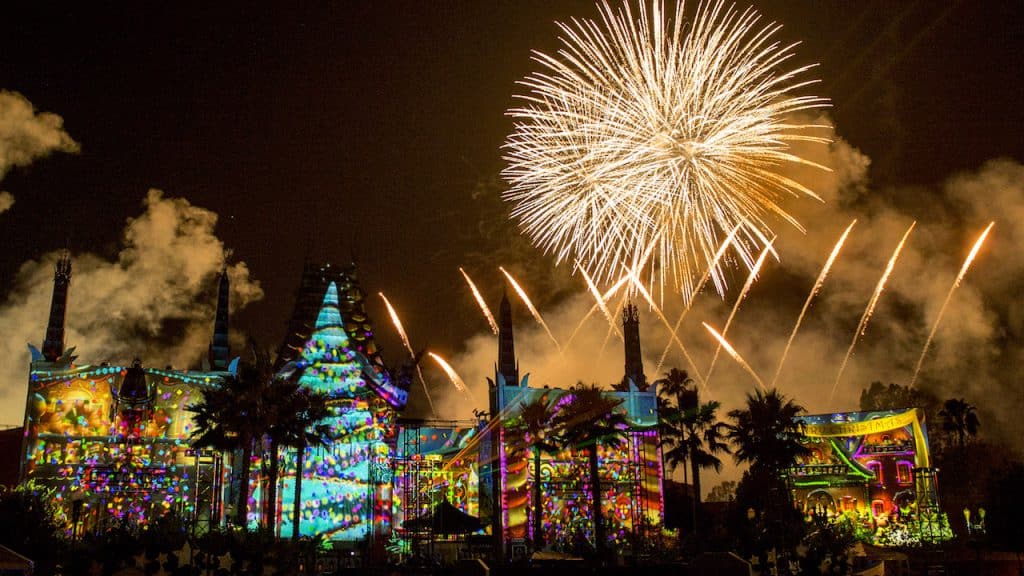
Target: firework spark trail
814	291
600	302
754	271
398	324
480	300
405	340
608	334
604	298
863	324
956	283
529	306
628	277
697	290
736	356
648	126
452	374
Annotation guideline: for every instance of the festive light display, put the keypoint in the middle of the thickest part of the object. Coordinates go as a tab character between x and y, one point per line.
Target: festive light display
872	469
345	493
106	463
630	476
433	464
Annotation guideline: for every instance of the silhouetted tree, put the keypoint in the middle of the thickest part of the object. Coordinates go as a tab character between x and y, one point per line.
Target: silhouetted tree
692	433
229	418
590	418
292	421
535	420
305	428
766	435
960	418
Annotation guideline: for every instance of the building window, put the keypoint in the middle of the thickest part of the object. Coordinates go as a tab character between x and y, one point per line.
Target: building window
877	507
903	473
876	468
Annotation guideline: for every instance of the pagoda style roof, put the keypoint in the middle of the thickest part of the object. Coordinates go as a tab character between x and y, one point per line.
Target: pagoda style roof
308	302
329	311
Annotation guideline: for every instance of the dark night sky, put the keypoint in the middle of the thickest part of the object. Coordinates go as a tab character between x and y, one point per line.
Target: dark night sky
363	127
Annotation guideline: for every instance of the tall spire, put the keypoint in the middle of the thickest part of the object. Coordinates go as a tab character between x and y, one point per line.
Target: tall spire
508	368
219	349
631	337
53	344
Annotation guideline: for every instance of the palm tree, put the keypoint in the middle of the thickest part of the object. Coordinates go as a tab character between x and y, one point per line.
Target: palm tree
305	429
675	391
694	434
229	418
766	434
535	421
673	383
289	414
590	418
960	418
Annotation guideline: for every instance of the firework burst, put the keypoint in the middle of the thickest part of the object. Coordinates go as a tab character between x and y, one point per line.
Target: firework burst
647	131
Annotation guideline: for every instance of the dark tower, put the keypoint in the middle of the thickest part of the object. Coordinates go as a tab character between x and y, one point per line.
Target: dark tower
53	345
508	368
631	336
219	350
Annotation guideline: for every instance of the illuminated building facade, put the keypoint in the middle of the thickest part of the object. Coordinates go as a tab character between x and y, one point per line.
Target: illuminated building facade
872	467
345	492
630	475
436	462
113	440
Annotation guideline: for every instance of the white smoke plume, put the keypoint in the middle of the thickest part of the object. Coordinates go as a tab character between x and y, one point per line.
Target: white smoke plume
27	135
155	301
975	351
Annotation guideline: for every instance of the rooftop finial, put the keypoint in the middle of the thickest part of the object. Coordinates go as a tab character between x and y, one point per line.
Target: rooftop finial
53	344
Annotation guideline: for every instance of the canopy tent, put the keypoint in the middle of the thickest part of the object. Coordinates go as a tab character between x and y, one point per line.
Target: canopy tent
444	519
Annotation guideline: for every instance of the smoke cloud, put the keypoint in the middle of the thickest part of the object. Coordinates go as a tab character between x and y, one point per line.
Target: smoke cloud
155	301
975	352
27	135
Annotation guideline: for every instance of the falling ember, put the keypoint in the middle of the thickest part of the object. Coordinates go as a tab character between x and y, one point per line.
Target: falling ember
700	286
600	300
628	277
605	297
452	374
956	283
481	302
732	352
754	271
814	291
863	325
529	306
405	340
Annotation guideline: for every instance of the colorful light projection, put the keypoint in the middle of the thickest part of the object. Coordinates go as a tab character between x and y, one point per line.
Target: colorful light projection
78	443
630	479
434	464
345	492
864	466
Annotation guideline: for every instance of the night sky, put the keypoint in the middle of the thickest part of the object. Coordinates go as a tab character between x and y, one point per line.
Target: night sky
372	130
